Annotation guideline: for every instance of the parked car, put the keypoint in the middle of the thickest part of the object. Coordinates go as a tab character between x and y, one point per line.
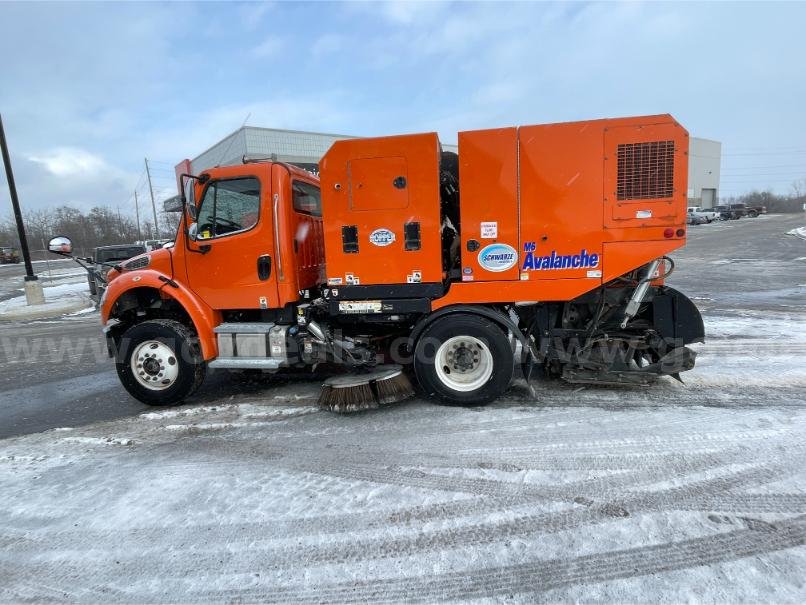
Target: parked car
9	255
155	244
692	218
105	256
731	212
709	215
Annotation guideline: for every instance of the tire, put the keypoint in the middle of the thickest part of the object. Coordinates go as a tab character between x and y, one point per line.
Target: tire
93	286
475	349
177	369
752	214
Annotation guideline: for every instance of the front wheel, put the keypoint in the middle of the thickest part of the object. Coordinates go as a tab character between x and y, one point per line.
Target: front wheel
159	362
464	359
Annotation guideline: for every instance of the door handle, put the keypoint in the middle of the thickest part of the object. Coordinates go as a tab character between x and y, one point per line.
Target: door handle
264	267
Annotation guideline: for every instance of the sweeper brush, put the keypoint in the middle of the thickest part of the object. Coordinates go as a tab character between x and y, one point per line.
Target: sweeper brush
358	392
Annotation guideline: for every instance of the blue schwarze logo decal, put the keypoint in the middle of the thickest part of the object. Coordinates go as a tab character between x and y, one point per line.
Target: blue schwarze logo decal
498	257
580	260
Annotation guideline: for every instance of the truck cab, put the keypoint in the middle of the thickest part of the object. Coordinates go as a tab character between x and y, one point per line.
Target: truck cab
247	249
254	236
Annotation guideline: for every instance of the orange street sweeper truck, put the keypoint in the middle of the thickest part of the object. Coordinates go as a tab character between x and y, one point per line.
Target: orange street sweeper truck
541	247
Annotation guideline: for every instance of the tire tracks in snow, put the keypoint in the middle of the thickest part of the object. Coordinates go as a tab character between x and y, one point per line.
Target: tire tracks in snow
541	576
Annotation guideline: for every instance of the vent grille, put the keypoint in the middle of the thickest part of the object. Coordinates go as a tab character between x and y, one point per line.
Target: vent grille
139	262
645	170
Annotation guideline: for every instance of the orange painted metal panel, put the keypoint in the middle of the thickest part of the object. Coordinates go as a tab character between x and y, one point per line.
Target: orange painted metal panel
299	264
488	188
561	201
652	159
376	186
570	232
226	276
204	318
370	180
621	257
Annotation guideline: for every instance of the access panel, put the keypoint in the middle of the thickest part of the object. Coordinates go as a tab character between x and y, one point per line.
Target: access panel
488	193
381	211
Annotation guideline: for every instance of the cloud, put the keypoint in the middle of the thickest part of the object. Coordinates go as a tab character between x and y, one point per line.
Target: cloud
269	47
71	162
112	83
408	12
252	13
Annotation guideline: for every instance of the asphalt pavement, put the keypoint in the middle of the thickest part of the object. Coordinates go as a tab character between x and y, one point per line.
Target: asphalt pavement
55	373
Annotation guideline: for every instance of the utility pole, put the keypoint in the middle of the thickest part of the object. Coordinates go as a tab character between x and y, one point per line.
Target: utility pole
153	203
137	214
33	289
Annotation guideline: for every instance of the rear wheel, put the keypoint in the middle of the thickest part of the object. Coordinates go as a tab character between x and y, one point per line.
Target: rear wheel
464	359
159	362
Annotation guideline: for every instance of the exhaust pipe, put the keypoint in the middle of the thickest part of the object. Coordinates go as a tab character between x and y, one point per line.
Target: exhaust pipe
317	331
640	293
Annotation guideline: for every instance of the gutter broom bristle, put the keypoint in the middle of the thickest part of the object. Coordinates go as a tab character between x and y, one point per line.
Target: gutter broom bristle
393	389
359	392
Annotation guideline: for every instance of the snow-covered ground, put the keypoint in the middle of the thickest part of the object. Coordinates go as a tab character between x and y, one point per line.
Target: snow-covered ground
798	232
674	493
690	492
65	292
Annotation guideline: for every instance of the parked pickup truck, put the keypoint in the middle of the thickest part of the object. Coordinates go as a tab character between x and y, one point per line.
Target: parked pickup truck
754	211
103	256
696	213
9	255
735	211
731	212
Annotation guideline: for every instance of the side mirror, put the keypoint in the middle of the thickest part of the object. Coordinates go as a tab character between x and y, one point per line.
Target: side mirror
60	245
193	230
193	212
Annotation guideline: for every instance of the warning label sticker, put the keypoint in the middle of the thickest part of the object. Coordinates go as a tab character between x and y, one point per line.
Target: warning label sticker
489	230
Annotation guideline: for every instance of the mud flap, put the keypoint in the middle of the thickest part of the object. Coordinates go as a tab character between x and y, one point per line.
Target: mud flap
675	318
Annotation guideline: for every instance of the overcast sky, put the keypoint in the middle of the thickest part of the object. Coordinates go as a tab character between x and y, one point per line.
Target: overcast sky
88	90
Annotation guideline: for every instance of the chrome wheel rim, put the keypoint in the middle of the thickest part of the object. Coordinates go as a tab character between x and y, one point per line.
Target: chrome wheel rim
464	363
154	365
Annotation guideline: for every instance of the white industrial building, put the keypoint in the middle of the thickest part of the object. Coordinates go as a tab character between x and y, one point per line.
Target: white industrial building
704	159
305	149
298	147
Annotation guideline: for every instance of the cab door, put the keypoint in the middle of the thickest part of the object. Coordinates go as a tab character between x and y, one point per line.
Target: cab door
232	262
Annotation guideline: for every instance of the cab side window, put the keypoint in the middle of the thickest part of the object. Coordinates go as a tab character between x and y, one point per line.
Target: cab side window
228	206
306	198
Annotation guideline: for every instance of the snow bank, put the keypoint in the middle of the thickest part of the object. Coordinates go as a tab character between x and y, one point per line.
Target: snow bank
798	232
60	299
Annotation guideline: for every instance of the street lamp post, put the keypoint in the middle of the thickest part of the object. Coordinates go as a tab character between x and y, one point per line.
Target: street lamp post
33	289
